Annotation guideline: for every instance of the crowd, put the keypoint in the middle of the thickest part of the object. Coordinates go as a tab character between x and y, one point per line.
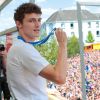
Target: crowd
71	90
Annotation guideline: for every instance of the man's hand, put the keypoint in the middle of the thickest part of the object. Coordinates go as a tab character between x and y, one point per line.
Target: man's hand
61	37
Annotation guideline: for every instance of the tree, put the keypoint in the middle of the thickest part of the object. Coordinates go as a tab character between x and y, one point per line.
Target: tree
49	50
90	38
73	46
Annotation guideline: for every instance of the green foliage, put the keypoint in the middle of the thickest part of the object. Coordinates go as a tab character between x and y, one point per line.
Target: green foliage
73	46
49	50
90	38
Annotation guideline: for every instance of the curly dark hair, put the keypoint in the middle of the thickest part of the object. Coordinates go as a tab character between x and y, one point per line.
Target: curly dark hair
26	8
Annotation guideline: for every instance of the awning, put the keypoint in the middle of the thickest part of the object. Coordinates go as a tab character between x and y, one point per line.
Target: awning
3	3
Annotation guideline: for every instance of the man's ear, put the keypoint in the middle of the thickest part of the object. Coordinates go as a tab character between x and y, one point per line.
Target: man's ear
18	24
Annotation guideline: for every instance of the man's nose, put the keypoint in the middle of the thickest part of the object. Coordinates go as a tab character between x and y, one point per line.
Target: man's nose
37	23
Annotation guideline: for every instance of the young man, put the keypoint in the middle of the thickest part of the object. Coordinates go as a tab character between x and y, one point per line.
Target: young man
27	70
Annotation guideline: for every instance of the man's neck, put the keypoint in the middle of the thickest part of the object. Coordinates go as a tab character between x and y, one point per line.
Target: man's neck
27	39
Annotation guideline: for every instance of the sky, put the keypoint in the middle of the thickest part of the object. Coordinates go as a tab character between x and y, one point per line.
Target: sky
48	8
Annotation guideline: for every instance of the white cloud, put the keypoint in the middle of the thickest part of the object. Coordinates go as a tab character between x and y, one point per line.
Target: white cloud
68	8
88	0
47	13
38	1
9	22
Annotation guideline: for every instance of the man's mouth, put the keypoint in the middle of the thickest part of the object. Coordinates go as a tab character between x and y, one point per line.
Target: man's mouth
36	30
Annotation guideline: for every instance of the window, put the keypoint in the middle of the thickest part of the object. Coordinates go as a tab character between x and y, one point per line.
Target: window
98	33
97	24
72	25
72	33
89	24
62	25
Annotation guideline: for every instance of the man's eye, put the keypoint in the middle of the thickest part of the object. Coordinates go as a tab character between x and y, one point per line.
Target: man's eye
40	20
31	20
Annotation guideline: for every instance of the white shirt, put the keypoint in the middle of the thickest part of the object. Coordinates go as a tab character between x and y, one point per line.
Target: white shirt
24	64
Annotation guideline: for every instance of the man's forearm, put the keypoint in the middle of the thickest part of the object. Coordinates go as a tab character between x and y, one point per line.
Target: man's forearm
61	65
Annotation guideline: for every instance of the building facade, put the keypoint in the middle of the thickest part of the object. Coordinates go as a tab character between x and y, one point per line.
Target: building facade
67	19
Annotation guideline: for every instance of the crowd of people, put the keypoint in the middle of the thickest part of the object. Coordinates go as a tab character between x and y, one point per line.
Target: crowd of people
71	90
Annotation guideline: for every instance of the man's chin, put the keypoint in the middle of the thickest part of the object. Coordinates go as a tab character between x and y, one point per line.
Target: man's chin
36	37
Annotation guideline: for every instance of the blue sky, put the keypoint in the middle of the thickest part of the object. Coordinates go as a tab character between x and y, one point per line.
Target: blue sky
48	7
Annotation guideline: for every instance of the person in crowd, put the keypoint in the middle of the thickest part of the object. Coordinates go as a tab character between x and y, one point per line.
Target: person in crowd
3	81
